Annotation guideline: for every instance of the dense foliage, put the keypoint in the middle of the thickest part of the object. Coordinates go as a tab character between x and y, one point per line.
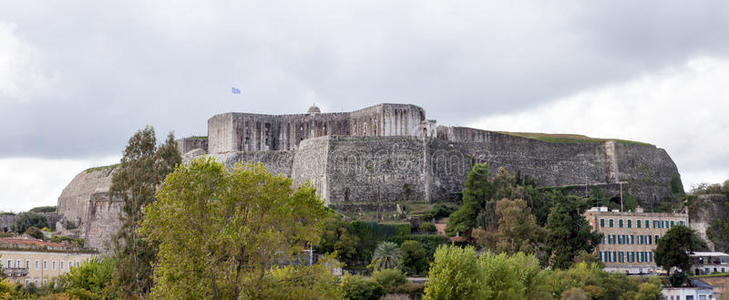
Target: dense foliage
142	169
29	219
674	247
414	258
569	232
220	232
457	273
91	280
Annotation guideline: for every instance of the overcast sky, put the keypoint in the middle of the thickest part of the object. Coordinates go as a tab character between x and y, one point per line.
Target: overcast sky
77	78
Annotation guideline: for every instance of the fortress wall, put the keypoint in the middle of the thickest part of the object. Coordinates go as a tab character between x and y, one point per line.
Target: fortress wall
296	128
277	162
310	164
367	121
648	169
375	171
188	144
220	134
402	120
550	164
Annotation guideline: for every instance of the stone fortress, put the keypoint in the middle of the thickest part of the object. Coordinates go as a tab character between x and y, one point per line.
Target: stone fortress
369	162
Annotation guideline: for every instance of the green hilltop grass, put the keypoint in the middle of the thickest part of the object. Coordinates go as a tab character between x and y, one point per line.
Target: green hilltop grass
109	167
568	138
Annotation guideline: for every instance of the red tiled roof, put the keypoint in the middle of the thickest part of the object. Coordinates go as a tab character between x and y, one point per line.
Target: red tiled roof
29	242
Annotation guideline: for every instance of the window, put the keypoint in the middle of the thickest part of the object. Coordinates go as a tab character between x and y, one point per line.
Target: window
18	264
646	224
682	222
655	240
613	256
637	223
10	263
62	265
70	264
45	265
631	239
45	281
27	281
53	264
620	257
630	223
655	224
602	239
27	264
621	239
35	281
36	266
602	256
602	222
620	223
611	223
640	240
648	237
671	224
665	224
78	263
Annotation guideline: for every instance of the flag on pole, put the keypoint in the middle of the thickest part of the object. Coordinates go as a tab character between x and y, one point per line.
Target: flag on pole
236	91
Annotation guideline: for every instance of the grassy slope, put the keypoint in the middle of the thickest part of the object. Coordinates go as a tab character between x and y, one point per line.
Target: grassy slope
567	138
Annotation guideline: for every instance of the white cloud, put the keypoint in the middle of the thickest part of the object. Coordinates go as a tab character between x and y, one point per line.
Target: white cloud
20	73
33	182
683	109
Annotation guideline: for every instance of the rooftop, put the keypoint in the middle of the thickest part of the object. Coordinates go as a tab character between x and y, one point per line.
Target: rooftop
708	254
31	244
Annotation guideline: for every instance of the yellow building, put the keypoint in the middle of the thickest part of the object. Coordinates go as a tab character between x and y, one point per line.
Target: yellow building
629	238
28	260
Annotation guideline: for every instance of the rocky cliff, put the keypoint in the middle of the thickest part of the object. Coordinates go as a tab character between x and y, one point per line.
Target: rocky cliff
86	210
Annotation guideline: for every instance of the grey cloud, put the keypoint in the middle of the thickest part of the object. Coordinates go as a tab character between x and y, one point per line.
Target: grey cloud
118	67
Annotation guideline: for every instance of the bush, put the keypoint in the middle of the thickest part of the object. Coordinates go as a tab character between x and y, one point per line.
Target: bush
34	232
389	278
438	211
414	258
357	288
27	220
427	227
429	241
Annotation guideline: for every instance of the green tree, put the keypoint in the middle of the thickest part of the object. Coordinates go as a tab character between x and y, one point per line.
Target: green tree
220	232
480	194
355	287
90	280
389	278
338	236
517	276
5	288
386	256
456	273
414	257
302	282
568	231
476	191
518	230
142	169
674	247
27	220
427	227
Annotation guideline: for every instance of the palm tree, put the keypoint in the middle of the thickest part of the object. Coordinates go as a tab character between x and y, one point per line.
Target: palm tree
386	256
